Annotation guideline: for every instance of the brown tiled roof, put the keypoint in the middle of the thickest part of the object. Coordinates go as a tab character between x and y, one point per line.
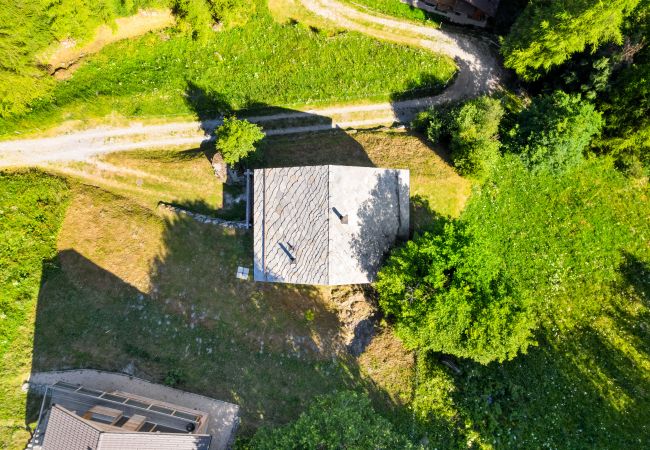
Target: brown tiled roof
67	431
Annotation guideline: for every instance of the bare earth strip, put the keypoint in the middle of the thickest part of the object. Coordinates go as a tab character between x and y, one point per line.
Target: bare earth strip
479	72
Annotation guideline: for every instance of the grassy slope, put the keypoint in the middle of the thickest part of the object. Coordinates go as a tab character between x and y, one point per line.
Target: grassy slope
133	285
397	9
31	210
263	63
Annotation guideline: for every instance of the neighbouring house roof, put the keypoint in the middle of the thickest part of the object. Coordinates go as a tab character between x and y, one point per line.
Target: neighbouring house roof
68	431
327	225
489	7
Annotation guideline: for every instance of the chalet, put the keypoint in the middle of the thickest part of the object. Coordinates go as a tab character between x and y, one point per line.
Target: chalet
77	417
469	12
326	225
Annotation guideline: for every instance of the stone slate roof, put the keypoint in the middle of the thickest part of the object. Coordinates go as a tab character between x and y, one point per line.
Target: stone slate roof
327	225
68	431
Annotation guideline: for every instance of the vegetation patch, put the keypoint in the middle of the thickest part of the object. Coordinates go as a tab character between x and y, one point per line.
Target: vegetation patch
398	9
32	205
256	65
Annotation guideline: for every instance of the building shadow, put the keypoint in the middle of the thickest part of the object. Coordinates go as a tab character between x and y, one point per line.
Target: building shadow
267	347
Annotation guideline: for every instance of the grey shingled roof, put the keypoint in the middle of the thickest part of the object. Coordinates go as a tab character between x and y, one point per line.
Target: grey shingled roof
297	215
67	431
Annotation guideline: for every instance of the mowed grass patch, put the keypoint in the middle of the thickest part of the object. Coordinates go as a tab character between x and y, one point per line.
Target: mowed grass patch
261	64
179	176
31	209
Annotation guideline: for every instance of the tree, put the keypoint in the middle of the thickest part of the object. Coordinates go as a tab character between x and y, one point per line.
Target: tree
547	33
553	132
474	136
236	139
450	295
344	420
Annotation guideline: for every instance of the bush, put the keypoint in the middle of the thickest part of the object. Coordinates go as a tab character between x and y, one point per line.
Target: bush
433	123
553	132
236	139
449	295
474	136
344	420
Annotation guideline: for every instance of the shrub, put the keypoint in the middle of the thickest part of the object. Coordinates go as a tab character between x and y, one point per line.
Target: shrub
433	123
447	296
474	136
553	131
236	139
174	377
344	420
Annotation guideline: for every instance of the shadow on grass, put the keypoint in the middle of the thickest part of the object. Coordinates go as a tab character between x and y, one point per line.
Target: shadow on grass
269	348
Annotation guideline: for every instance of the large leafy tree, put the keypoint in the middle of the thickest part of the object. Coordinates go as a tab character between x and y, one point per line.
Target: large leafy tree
450	295
344	420
236	139
548	32
554	130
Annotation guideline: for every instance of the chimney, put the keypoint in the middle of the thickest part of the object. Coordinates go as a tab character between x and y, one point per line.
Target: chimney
342	218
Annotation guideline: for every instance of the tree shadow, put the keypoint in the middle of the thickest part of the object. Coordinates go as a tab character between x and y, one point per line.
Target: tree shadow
380	220
269	348
424	217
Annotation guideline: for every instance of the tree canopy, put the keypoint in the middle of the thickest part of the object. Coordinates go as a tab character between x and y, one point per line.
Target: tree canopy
554	130
474	136
547	33
236	139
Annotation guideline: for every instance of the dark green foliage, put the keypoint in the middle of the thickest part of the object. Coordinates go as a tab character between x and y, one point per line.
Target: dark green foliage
547	33
236	139
344	420
449	295
474	136
626	104
174	378
198	16
433	123
553	132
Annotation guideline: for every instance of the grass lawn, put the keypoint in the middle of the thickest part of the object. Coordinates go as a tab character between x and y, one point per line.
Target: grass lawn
261	64
32	205
397	9
133	284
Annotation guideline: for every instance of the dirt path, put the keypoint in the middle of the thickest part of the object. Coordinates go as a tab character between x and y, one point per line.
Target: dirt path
478	73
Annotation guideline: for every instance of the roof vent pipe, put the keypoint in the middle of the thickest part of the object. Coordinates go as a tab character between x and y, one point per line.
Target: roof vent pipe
342	218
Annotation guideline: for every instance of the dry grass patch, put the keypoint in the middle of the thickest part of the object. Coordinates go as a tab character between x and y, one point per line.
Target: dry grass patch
390	366
178	176
119	236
